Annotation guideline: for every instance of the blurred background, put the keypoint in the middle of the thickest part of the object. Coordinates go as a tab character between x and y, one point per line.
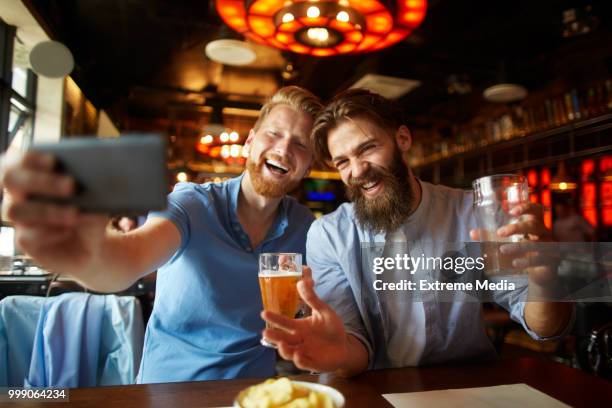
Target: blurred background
486	87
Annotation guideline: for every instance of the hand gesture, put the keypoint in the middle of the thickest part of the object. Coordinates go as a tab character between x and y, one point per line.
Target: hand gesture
317	342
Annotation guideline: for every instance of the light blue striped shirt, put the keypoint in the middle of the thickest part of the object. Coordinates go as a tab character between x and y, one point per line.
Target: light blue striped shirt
404	328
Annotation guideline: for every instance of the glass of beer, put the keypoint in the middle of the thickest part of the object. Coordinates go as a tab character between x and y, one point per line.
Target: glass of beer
494	197
279	274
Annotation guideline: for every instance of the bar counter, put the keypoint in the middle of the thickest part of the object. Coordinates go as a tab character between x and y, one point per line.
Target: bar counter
571	386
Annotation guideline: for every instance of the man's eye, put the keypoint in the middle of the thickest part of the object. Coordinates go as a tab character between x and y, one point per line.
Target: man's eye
341	163
368	147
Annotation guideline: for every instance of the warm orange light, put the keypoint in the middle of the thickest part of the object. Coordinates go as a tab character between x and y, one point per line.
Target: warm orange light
590	214
413	17
262	26
605	164
415	4
202	148
277	44
605	193
532	178
323	52
545	177
341	26
299	48
366	6
606	216
238	24
548	219
266	7
354	26
588	196
380	23
291	27
587	168
345	48
354	37
390	39
284	38
546	198
314	22
367	42
215	152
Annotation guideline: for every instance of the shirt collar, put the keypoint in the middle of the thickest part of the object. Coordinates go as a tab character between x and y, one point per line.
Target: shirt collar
282	218
233	186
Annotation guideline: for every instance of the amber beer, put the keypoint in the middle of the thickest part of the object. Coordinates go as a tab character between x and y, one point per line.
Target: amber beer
279	293
279	274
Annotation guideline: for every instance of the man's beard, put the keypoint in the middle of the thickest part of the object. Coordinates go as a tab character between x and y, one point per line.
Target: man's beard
264	186
387	211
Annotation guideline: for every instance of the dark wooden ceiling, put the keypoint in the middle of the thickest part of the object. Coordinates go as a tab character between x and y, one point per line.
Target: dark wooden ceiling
142	60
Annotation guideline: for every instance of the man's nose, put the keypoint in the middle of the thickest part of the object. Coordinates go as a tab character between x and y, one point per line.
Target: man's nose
359	168
282	147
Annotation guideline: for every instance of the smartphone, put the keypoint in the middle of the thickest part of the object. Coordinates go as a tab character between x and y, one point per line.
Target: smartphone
124	175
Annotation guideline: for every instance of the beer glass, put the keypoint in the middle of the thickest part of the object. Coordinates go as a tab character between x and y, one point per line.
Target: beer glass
494	197
279	274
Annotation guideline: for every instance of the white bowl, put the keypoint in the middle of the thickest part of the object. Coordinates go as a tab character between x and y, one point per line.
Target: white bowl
335	395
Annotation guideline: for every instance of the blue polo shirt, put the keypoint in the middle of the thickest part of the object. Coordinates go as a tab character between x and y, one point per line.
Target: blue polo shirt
205	323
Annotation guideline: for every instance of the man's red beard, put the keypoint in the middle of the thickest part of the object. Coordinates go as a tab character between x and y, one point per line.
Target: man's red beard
266	187
389	209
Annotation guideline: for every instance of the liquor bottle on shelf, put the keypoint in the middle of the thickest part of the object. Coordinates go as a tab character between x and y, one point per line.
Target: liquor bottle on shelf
583	97
569	109
592	102
609	93
519	120
576	104
600	98
506	127
550	116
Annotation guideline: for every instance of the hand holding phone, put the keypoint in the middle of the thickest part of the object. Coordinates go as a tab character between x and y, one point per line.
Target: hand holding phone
122	175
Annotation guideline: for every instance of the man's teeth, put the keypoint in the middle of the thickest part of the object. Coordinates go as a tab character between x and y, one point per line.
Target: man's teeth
369	185
276	164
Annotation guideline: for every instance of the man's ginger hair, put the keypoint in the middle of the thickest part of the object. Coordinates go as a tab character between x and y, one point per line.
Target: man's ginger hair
296	98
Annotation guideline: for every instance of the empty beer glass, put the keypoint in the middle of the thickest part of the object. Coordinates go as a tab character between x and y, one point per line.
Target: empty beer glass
279	274
494	197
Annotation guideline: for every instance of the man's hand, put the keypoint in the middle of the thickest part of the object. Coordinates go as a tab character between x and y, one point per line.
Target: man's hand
537	256
56	236
318	342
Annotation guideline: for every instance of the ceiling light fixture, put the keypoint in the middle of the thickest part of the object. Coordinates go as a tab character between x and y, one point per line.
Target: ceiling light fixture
325	27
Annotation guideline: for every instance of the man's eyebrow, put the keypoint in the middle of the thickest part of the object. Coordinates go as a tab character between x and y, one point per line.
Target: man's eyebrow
357	148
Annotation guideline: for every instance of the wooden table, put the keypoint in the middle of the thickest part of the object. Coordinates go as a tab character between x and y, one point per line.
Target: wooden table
566	384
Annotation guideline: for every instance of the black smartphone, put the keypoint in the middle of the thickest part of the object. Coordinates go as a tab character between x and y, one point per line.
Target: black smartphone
124	175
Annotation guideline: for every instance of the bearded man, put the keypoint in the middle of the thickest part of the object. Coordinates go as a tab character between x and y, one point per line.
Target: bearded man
205	322
356	324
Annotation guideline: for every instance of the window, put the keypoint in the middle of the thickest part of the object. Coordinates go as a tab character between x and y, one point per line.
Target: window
17	90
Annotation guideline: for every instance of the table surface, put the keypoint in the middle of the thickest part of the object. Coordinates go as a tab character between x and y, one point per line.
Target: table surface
568	385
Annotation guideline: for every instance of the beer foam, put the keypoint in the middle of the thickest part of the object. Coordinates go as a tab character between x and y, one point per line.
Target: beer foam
277	274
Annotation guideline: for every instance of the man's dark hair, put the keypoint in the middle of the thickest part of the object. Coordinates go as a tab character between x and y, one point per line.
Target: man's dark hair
351	104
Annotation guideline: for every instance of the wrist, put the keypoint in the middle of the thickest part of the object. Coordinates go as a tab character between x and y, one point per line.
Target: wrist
355	357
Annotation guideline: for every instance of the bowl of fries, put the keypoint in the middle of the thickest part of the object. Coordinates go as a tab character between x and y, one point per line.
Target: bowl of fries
284	393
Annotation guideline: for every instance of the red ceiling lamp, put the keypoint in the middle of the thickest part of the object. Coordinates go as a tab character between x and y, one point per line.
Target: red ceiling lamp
324	28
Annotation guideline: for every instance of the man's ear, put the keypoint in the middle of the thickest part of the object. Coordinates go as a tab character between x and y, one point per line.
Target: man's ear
307	172
246	149
403	138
